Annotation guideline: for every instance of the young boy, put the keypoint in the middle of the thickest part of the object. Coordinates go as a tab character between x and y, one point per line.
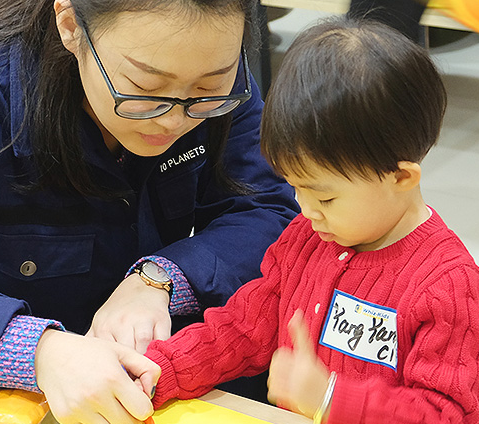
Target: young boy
388	296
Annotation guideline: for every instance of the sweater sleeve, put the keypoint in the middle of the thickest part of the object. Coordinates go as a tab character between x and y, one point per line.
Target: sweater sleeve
17	351
183	300
236	340
440	373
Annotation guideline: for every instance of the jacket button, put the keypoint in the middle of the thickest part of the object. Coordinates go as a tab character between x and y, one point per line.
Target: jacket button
28	268
126	202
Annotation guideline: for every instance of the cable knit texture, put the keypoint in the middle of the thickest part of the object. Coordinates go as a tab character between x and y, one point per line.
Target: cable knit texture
17	351
428	277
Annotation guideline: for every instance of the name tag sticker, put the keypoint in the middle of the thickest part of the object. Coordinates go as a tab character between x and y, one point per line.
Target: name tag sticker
361	329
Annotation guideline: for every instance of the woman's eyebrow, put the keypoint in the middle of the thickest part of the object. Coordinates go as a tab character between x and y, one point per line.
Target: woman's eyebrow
151	70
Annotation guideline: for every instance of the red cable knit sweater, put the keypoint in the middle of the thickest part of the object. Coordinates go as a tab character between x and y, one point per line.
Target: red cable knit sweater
428	278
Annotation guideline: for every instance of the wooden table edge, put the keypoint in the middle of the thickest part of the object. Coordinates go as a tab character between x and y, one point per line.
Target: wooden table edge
262	411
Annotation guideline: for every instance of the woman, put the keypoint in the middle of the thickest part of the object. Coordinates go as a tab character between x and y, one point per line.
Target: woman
127	127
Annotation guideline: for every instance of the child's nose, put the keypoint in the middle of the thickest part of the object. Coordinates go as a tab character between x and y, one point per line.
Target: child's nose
309	211
312	214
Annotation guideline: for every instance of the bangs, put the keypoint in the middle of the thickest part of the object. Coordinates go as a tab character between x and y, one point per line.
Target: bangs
298	162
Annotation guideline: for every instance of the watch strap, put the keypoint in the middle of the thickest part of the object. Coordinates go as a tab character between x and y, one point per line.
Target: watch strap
165	285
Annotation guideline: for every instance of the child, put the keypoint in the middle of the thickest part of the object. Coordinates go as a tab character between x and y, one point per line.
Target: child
389	295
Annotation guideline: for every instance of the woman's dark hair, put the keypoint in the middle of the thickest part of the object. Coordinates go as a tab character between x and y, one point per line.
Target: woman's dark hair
354	97
53	92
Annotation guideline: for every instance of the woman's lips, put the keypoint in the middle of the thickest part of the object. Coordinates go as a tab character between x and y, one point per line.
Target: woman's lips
157	139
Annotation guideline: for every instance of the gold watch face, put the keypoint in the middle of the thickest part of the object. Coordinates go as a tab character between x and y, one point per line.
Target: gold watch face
155	272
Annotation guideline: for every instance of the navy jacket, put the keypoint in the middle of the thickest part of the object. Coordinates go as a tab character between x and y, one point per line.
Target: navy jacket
82	247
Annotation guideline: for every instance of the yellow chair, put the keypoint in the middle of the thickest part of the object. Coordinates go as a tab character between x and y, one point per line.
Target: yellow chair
21	407
464	11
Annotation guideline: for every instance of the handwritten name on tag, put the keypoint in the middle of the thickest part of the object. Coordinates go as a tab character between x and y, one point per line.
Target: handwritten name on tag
361	329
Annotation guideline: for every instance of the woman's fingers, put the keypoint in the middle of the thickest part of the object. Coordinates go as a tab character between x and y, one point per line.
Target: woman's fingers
90	380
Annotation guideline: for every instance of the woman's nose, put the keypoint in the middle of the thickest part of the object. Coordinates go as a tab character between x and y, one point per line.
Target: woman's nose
173	119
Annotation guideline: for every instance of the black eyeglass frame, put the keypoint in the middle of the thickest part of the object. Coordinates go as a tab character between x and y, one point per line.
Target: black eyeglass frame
119	98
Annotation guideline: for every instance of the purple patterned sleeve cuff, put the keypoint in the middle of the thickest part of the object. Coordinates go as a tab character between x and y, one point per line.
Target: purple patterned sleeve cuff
183	300
17	351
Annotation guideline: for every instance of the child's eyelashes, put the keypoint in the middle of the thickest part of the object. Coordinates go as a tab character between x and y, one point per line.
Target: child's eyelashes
325	202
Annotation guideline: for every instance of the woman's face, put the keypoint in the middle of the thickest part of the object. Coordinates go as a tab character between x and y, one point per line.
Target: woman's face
152	54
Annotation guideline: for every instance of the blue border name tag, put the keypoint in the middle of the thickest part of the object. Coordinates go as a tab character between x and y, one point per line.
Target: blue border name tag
361	329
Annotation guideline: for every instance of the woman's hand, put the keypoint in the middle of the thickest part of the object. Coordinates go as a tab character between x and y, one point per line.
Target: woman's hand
297	378
88	380
134	315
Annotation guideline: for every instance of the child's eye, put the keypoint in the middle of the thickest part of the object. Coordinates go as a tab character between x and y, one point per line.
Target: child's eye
326	202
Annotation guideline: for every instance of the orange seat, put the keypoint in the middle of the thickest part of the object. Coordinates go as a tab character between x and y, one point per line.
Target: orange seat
463	11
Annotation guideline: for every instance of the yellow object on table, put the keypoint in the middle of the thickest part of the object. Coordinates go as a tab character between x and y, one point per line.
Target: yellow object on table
21	407
195	411
217	407
464	11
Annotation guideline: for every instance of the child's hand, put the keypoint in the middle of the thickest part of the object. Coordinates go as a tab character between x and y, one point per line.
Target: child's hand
297	378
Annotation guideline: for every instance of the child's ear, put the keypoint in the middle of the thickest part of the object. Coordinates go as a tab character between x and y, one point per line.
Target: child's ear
67	25
407	176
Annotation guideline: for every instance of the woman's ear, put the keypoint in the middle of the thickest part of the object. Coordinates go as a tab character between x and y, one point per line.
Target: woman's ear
67	25
407	176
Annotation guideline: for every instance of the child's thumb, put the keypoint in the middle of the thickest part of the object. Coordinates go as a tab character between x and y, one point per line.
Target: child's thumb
145	371
298	331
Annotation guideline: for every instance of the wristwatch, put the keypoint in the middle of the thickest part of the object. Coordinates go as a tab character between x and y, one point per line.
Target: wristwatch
155	276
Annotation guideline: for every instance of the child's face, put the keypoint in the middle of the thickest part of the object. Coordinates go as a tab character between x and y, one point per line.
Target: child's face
365	215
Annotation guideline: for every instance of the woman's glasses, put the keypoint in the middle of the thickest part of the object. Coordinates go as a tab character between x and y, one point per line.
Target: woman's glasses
147	107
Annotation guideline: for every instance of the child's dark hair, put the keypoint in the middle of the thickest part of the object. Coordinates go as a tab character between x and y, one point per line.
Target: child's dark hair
354	97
